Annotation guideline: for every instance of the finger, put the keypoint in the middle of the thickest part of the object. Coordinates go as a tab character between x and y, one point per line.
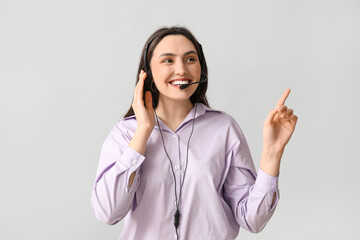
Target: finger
283	98
137	84
138	97
287	113
148	100
282	109
140	85
142	78
140	75
294	119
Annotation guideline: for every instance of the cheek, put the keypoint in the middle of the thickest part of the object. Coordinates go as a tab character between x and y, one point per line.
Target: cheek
197	70
160	77
159	72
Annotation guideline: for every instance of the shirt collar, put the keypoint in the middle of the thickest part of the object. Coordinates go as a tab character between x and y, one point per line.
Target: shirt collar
200	110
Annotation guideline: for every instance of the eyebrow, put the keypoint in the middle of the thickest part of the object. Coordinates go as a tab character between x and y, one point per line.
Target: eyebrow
171	54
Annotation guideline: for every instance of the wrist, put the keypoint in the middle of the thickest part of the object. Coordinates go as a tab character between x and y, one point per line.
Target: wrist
143	131
138	141
270	160
272	152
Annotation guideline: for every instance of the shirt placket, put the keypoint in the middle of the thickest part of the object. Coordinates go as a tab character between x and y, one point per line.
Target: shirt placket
175	158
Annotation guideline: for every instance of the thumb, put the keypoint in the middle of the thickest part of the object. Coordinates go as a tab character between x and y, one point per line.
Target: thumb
270	116
148	100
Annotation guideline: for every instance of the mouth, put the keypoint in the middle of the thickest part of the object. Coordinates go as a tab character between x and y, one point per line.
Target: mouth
179	82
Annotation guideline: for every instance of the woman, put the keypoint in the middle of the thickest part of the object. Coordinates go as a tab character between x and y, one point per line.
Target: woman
175	168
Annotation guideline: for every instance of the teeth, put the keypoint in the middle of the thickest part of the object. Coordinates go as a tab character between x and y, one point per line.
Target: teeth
179	82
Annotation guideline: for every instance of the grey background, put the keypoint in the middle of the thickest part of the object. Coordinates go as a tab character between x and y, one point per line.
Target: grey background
67	72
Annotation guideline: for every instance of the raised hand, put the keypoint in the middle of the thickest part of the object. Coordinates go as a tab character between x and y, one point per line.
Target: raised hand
278	127
144	115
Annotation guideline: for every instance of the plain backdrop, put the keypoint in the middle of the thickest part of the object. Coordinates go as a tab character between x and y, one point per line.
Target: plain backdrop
68	69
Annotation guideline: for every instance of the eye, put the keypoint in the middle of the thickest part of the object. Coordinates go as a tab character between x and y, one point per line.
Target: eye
167	60
191	59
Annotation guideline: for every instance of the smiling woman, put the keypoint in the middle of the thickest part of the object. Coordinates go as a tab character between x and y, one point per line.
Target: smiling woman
172	181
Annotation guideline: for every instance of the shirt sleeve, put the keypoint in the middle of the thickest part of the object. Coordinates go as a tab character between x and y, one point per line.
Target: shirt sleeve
250	195
111	197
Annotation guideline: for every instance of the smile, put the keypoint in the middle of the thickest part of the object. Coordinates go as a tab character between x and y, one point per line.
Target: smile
178	83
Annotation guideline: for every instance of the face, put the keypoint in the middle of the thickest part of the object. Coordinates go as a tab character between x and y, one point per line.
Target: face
174	62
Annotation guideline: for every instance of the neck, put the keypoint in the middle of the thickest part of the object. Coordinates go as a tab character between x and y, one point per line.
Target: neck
173	113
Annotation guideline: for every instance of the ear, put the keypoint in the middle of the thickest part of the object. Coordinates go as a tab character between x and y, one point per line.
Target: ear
153	87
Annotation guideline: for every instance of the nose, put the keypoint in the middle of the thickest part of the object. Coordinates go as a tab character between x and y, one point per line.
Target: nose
180	68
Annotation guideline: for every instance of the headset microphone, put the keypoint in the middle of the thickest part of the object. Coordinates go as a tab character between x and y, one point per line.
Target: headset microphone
182	87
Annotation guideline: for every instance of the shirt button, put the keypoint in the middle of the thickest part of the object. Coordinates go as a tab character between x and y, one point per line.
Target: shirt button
175	236
134	161
176	167
176	202
174	135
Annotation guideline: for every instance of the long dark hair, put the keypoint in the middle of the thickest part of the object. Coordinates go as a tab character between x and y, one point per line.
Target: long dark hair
200	94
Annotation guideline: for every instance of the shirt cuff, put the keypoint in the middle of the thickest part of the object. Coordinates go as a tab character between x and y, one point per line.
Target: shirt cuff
265	182
131	159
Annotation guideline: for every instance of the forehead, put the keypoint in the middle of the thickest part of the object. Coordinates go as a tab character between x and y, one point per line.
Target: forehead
177	44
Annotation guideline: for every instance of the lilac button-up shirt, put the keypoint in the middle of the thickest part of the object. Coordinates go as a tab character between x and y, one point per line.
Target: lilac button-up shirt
221	190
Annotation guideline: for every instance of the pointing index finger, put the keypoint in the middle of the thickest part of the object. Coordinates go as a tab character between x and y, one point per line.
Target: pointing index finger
283	98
